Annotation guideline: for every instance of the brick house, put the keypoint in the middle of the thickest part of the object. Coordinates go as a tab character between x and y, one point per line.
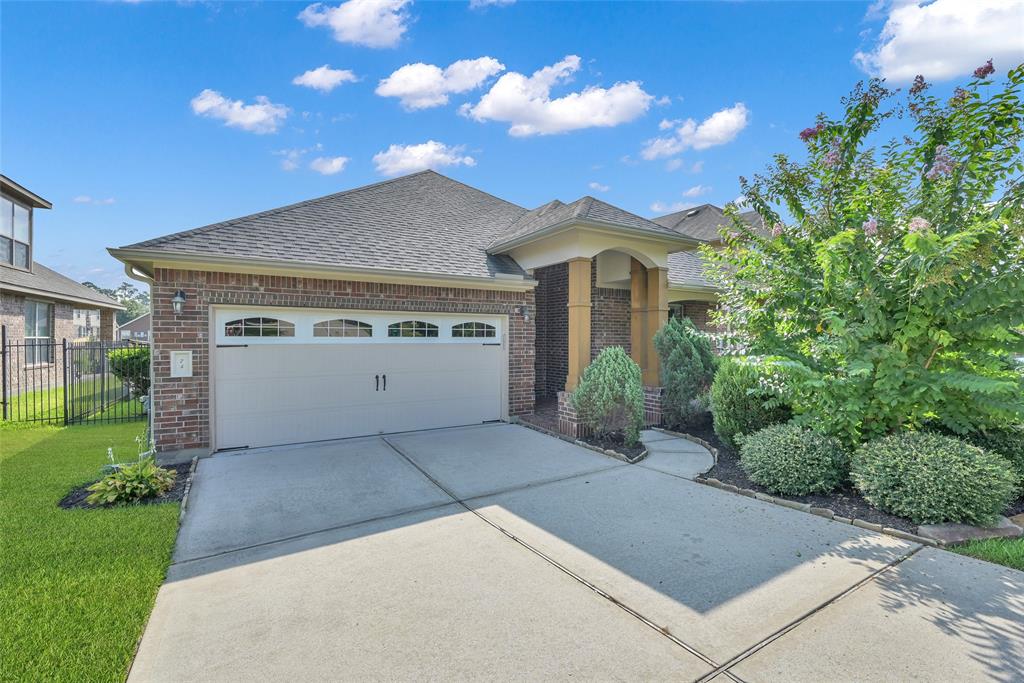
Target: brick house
412	303
39	307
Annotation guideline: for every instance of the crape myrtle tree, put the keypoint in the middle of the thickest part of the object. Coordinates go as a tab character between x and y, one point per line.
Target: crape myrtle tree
887	291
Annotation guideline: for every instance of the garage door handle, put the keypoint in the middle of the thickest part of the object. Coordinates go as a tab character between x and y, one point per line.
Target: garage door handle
385	382
377	378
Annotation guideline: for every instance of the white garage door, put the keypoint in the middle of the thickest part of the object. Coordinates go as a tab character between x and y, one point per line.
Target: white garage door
288	376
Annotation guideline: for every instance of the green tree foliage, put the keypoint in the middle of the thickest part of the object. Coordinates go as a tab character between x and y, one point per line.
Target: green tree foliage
135	301
890	290
131	366
687	368
610	396
743	400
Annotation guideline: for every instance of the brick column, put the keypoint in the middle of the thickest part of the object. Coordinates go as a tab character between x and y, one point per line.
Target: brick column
638	313
579	320
107	324
657	316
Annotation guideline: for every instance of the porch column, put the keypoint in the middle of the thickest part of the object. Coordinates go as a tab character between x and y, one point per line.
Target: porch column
579	320
657	316
638	313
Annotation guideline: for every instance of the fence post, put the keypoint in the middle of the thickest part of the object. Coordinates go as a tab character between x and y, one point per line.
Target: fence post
3	367
67	387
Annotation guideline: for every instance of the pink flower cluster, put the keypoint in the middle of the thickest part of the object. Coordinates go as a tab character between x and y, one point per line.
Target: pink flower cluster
777	230
811	133
919	85
918	224
833	156
870	227
943	164
959	97
985	70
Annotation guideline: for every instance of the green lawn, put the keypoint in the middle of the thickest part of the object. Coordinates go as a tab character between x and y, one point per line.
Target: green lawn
89	395
76	586
1008	551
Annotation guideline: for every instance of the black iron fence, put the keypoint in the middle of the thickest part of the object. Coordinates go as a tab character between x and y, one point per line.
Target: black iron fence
62	382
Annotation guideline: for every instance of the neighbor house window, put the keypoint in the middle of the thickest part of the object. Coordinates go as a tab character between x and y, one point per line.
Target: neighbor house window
342	328
473	330
259	327
412	328
38	333
14	234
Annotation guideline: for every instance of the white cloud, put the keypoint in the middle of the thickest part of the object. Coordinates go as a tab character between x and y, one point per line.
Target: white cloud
481	4
696	191
420	86
328	165
525	102
673	164
598	187
86	199
663	101
324	78
945	38
261	117
662	207
721	127
373	23
290	158
399	159
666	124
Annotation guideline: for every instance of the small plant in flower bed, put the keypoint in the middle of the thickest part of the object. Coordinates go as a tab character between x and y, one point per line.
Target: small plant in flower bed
929	478
131	484
741	402
610	397
794	460
687	368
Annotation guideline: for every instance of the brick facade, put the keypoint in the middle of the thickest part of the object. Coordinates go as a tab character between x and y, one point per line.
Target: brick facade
569	422
181	406
699	312
609	316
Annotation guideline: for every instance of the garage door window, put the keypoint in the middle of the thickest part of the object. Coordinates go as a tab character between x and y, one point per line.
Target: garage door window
259	327
342	327
412	328
473	330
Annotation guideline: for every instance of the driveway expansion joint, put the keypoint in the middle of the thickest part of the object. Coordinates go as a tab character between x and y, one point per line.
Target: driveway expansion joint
771	638
662	630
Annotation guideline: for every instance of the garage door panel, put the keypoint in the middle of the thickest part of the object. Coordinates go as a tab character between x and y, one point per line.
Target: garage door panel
277	391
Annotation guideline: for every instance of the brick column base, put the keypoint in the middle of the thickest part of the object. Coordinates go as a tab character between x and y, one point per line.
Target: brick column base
569	422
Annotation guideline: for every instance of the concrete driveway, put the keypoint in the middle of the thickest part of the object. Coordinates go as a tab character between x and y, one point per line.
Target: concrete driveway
496	552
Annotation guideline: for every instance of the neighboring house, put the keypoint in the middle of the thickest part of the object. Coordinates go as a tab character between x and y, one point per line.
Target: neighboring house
413	303
87	323
38	305
135	330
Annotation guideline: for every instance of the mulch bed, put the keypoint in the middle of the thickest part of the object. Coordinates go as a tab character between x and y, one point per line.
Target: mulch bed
615	442
76	497
845	502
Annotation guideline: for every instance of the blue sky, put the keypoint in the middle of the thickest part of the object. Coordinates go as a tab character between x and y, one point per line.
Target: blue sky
104	113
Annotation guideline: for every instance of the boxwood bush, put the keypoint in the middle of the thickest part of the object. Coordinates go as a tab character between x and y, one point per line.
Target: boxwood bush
792	459
610	396
738	401
930	478
131	365
1007	442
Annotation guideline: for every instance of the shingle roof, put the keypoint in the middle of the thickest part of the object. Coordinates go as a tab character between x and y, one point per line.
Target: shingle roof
47	281
687	268
424	222
586	209
702	222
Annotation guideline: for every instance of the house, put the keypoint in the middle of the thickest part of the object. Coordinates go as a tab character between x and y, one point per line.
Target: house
413	303
39	307
136	329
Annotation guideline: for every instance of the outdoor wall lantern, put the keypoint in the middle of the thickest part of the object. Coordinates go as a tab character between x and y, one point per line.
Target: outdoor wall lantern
525	312
178	302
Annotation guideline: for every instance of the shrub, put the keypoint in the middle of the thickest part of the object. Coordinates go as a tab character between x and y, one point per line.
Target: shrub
687	368
610	396
888	285
1007	442
738	401
795	460
131	484
930	478
131	366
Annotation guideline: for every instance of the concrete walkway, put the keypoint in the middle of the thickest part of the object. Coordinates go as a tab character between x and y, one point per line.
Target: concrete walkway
675	455
496	552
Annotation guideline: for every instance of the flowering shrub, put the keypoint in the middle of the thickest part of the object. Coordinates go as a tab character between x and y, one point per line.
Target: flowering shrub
742	401
890	290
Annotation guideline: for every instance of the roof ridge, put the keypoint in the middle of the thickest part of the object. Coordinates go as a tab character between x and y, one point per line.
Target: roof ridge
274	211
459	182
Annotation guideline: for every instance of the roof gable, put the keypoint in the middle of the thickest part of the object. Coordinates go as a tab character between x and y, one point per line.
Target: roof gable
702	222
